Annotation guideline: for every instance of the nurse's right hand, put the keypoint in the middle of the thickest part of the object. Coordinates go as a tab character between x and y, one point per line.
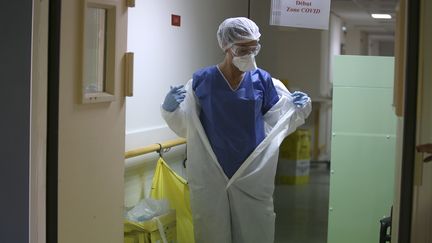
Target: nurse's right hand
174	97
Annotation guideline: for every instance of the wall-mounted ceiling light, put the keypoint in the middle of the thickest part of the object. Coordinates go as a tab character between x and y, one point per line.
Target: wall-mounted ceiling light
381	16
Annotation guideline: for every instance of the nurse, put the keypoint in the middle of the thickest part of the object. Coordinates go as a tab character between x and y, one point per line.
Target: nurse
234	119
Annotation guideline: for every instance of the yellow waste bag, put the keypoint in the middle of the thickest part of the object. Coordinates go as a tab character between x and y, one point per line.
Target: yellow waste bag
172	187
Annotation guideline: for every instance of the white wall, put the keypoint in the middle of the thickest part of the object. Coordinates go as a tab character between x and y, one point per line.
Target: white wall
336	40
166	55
334	44
331	44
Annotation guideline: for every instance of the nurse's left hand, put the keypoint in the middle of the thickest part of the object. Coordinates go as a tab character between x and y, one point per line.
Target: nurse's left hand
300	99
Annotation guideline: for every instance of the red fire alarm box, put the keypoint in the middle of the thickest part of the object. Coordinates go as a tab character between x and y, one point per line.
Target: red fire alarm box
175	20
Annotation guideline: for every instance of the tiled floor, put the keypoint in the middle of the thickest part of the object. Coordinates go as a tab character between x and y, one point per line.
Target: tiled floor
302	211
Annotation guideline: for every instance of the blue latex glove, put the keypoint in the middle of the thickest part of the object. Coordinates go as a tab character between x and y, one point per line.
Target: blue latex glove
300	99
174	97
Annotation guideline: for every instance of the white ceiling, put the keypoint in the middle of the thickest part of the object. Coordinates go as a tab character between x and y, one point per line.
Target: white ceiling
357	14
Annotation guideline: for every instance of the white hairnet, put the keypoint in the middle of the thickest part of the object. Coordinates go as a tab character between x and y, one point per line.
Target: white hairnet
237	30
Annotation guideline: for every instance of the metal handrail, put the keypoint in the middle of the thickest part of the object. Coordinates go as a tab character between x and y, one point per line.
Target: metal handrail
157	147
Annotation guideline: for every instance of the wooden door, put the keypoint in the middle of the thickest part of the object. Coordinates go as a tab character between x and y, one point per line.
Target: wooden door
91	121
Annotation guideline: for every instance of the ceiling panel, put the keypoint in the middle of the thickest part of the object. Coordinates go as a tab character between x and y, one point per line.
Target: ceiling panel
357	13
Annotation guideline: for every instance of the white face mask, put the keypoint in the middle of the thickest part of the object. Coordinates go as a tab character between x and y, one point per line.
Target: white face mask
245	63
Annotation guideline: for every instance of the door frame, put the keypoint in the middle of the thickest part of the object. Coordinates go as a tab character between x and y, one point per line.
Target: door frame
410	120
410	116
38	123
54	18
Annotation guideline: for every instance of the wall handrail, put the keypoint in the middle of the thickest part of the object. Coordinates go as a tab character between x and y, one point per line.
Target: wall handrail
154	147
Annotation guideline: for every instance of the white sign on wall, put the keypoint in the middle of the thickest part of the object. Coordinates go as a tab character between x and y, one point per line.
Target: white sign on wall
313	14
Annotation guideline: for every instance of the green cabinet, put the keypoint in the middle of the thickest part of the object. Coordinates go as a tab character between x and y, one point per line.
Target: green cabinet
363	148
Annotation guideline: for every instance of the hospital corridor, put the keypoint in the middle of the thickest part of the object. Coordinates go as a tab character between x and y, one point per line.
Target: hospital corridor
200	121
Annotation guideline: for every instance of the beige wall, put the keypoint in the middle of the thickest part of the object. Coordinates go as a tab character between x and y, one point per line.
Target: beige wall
288	53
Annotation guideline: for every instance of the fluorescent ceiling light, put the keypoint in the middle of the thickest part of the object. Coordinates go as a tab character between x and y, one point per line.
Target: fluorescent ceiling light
381	16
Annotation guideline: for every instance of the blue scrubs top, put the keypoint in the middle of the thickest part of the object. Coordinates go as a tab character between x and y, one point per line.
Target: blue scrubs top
233	119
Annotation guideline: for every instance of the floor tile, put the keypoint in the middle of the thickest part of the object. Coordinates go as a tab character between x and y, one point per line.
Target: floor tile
302	210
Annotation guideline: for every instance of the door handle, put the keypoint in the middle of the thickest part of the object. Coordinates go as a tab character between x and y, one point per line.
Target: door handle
129	69
130	3
385	225
425	148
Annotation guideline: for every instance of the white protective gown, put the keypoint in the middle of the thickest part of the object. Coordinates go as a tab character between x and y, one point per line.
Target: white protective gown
240	209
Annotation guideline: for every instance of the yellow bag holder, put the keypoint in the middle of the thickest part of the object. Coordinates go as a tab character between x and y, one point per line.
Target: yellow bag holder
176	225
170	186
